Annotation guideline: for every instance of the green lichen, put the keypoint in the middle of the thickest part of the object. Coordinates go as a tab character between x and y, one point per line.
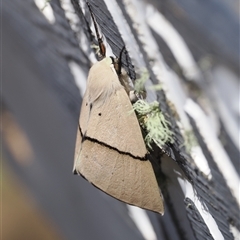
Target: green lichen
154	123
190	141
139	85
156	87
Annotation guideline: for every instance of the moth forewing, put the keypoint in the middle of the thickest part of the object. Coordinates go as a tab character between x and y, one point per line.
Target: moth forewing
77	147
112	153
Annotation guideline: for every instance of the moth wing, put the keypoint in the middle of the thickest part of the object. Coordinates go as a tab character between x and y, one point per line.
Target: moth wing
109	152
119	175
113	122
83	120
78	147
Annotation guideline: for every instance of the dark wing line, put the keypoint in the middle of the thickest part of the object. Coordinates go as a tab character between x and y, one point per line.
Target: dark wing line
110	147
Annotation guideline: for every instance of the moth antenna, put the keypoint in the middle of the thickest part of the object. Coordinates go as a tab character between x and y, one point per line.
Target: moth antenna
118	62
100	39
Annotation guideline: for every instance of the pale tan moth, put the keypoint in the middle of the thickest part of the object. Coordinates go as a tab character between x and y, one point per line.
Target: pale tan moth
110	151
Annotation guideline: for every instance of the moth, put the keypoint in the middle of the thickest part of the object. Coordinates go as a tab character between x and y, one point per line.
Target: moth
110	151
